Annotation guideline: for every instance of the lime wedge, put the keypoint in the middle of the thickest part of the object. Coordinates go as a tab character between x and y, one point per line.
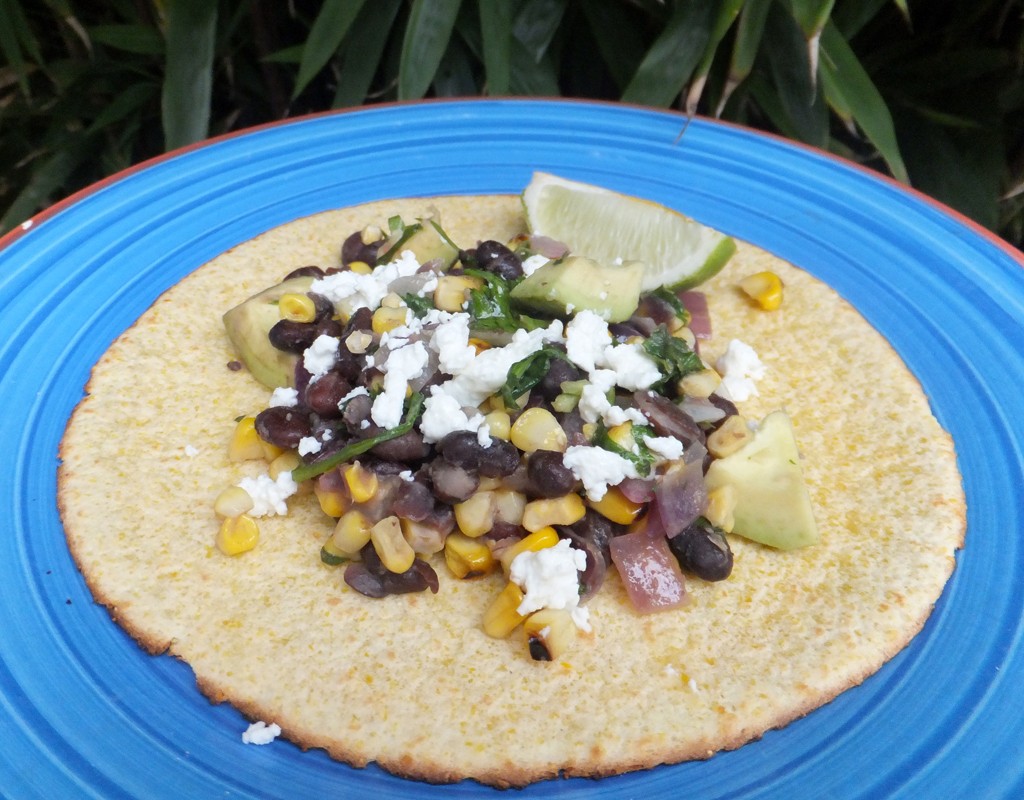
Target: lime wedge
677	252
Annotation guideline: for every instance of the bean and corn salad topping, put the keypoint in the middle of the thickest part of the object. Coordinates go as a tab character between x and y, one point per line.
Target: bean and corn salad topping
444	426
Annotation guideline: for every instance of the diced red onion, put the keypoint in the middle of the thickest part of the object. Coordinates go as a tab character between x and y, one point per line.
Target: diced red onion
649	572
700	409
700	319
680	498
637	490
548	247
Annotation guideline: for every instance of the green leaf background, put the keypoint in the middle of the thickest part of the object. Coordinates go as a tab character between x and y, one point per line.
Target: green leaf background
929	92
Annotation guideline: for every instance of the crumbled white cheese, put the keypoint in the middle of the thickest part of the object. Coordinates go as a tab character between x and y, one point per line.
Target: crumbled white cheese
443	414
359	390
261	733
666	448
534	263
285	396
597	468
586	339
407	476
321	356
309	445
269	495
352	290
404	364
550	578
739	367
450	341
633	368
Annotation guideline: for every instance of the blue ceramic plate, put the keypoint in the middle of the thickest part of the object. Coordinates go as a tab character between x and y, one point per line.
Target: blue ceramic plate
84	713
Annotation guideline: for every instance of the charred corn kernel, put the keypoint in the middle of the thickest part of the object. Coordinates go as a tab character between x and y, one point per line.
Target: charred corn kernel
622	435
729	437
352	531
286	462
233	502
333	503
538	429
502	615
720	507
764	288
296	307
331	555
237	535
616	506
509	506
475	516
538	540
499	424
686	334
360	267
452	291
358	342
466	557
362	483
395	553
423	539
699	384
387	319
245	444
588	430
550	632
392	300
675	324
479	344
563	510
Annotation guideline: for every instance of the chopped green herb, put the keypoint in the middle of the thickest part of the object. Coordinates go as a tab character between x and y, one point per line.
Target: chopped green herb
491	308
412	413
642	457
419	305
527	373
670	297
673	356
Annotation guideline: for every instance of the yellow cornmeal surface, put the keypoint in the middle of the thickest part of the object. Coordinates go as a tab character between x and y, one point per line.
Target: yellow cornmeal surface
412	682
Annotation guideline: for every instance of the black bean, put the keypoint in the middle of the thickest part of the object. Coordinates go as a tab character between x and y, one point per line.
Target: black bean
415	501
600	530
549	477
353	249
452	483
497	258
323	395
283	426
550	385
292	337
703	550
305	272
499	460
405	448
463	449
324	307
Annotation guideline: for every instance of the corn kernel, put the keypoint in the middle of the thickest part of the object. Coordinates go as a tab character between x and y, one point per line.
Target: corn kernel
245	444
499	424
550	632
387	319
358	342
371	234
392	300
687	335
466	557
475	516
720	507
538	540
286	462
699	384
729	437
479	344
502	616
395	553
362	483
452	291
296	307
360	267
352	532
563	510
538	429
509	506
616	506
333	503
237	535
233	502
423	539
588	430
764	288
622	435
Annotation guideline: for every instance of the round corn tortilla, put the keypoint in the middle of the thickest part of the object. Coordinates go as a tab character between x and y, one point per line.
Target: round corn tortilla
414	683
